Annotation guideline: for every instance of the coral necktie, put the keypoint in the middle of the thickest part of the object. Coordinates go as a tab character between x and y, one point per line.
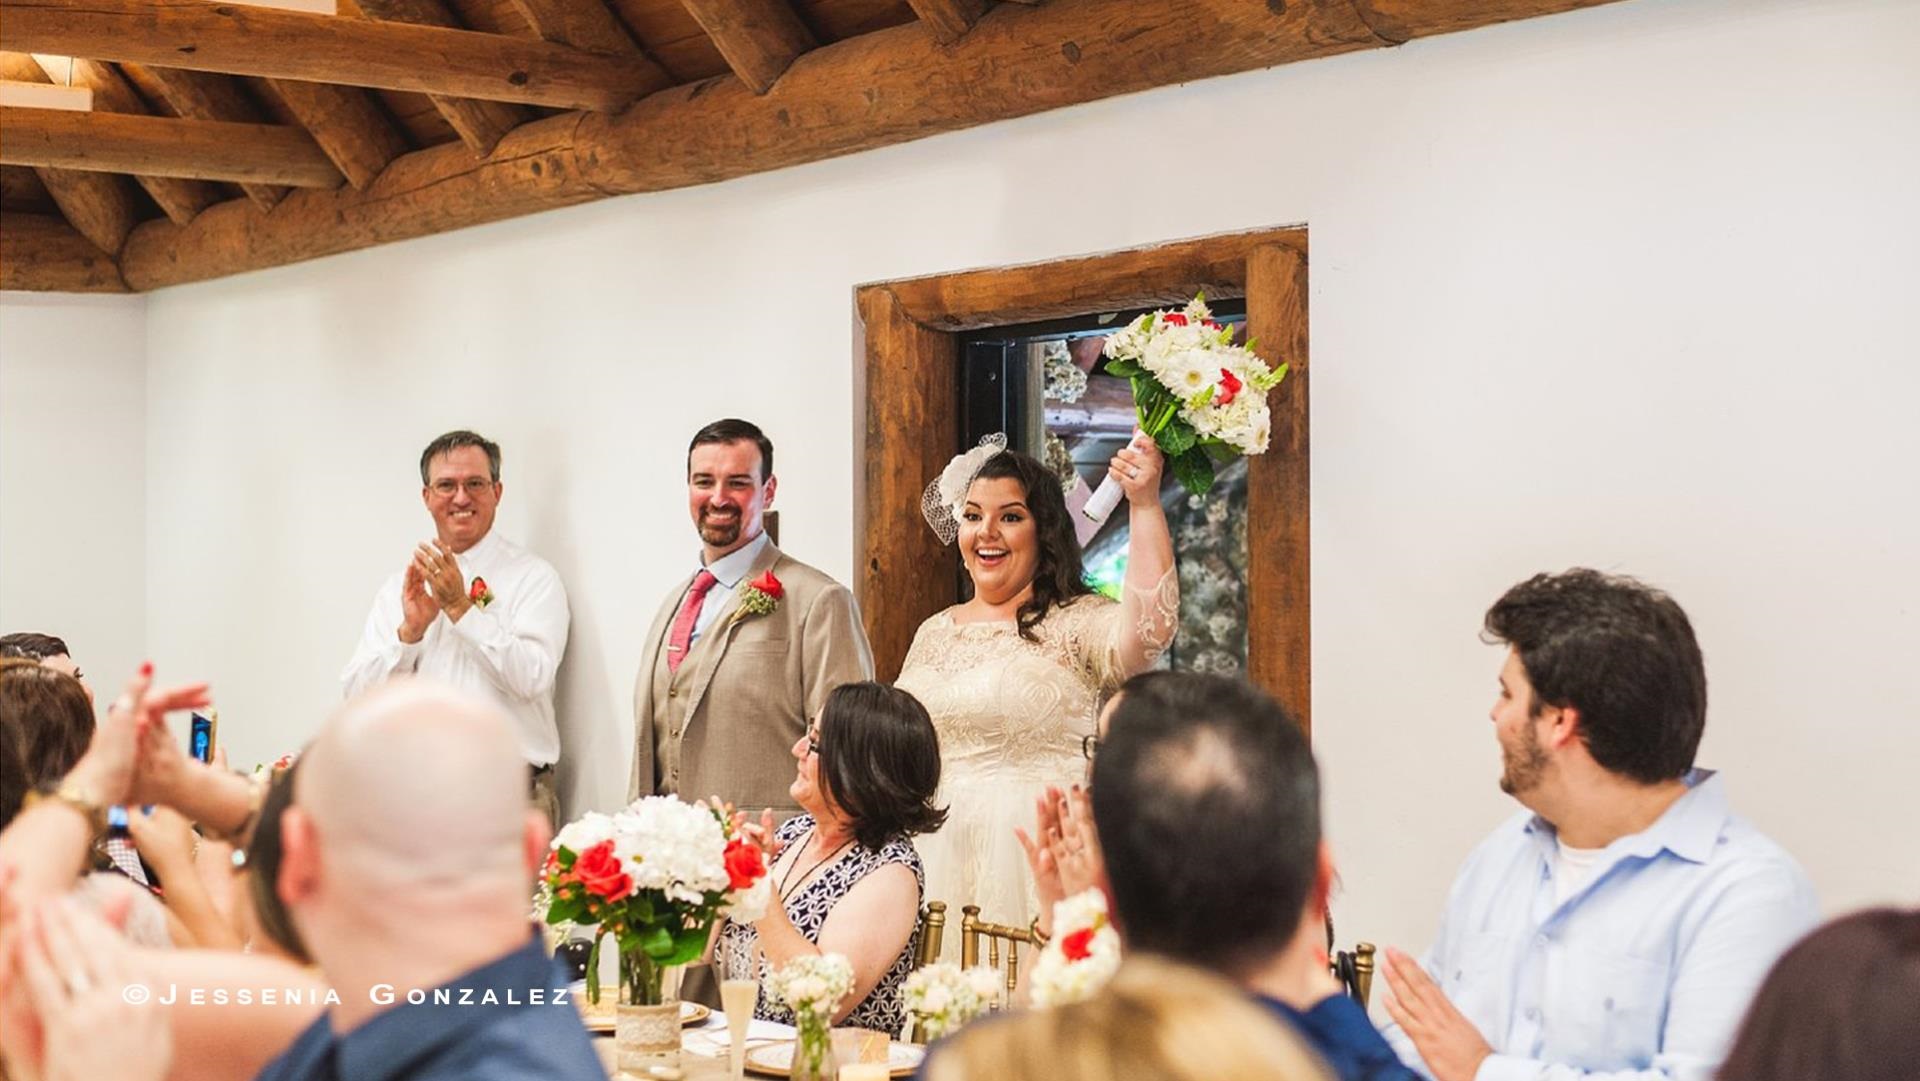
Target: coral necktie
682	636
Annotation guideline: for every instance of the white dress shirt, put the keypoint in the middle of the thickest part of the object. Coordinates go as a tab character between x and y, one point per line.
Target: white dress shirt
508	651
727	573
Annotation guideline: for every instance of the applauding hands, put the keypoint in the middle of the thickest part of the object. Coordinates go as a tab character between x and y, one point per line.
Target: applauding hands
432	585
1064	852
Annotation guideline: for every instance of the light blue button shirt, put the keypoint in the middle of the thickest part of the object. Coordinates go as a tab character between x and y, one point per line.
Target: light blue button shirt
1644	973
727	572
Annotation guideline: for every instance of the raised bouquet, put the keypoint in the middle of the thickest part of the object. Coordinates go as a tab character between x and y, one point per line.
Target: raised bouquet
1081	956
943	997
656	876
1200	397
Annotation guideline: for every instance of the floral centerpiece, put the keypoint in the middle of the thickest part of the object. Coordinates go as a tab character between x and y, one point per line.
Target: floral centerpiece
943	997
812	986
1082	954
1199	396
656	877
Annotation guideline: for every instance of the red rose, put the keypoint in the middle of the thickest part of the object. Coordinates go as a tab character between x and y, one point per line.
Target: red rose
1229	387
598	869
1209	324
1078	945
770	585
745	864
1175	318
477	590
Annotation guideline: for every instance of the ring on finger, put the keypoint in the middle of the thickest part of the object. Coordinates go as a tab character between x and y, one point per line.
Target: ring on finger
77	982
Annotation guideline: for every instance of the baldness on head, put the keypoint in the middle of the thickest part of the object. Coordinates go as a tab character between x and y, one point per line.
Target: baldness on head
415	784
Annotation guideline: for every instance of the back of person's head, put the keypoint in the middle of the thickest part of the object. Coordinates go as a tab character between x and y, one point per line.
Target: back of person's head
1154	1021
1207	803
263	868
33	647
50	714
1619	652
412	798
880	761
1842	1005
13	775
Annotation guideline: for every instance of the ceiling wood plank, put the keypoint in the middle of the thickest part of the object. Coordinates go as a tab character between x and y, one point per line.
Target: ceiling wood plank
590	25
200	149
880	89
98	205
348	123
197	95
760	38
242	40
480	124
44	254
949	20
177	199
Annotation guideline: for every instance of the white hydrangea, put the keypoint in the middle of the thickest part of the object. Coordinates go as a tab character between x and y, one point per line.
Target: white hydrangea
812	984
672	847
584	832
1058	979
750	904
943	997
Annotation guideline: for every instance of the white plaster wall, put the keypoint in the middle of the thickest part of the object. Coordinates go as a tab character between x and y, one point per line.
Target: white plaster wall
1630	287
73	477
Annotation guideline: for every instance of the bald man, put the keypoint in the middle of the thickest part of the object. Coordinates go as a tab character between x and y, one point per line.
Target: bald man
408	855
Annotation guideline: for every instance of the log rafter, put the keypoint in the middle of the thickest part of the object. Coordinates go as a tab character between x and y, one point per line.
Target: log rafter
197	95
241	40
348	123
760	39
43	253
197	149
480	124
949	20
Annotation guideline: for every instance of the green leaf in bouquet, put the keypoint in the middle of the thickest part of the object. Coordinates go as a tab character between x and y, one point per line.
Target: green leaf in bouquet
657	943
1177	438
1125	369
688	945
1194	470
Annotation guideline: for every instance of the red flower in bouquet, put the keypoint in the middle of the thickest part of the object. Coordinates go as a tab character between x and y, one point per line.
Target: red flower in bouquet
1078	946
1229	387
745	863
770	585
761	596
598	870
478	592
1175	318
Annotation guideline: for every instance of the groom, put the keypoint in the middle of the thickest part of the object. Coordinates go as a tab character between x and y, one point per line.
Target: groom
741	654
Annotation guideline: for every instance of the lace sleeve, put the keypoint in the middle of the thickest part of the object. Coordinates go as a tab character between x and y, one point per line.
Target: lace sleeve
1112	642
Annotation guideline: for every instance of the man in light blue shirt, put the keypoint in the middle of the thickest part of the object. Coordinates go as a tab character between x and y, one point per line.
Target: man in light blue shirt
1618	927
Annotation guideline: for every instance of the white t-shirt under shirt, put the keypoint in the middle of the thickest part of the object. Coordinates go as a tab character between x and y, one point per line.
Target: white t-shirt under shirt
508	651
1572	869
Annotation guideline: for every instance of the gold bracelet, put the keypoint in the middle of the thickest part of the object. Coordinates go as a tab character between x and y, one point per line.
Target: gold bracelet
76	797
1040	938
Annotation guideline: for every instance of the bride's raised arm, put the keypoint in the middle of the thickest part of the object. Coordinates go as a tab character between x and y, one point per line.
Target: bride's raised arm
1150	597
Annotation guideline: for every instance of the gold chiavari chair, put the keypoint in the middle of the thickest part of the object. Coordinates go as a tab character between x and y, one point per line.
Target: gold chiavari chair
973	929
1354	970
933	928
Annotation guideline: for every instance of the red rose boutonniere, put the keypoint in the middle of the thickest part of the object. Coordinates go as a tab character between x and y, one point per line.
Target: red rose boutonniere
478	592
762	595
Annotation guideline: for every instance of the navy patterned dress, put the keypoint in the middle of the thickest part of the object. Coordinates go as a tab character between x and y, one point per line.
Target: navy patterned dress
882	1009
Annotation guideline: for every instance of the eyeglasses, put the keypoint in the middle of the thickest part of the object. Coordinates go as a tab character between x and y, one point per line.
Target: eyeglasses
813	741
475	487
1088	745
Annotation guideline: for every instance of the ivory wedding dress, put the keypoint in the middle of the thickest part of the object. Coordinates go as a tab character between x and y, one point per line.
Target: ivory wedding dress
1011	713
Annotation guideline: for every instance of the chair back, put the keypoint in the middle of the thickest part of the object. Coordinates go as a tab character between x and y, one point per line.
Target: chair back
1354	970
933	928
973	929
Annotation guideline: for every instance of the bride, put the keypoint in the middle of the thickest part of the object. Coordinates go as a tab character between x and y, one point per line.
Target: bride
1014	677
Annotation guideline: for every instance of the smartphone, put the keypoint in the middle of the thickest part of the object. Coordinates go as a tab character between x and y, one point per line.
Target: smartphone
200	743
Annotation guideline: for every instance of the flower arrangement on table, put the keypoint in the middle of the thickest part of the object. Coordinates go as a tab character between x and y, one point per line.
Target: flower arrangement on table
1200	397
1081	956
812	986
656	876
943	997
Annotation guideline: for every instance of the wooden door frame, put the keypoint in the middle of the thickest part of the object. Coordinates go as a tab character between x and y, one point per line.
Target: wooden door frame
906	389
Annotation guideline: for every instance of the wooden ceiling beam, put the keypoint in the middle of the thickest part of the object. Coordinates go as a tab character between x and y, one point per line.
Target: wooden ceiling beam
480	124
197	95
589	25
760	39
880	89
98	206
199	149
45	254
949	20
348	123
178	199
1400	21
243	40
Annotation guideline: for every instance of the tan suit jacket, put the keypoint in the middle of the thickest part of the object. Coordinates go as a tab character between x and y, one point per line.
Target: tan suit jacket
726	722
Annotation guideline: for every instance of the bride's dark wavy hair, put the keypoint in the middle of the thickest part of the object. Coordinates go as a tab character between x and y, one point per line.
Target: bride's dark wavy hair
1061	575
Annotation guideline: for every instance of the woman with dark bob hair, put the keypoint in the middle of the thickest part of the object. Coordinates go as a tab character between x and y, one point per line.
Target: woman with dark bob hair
847	876
1843	1005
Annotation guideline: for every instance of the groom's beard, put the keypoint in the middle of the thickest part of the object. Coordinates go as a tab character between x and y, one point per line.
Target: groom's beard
719	532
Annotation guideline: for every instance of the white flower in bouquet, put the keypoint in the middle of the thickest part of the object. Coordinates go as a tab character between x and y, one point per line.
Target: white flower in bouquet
584	832
672	847
1082	955
750	904
813	984
943	997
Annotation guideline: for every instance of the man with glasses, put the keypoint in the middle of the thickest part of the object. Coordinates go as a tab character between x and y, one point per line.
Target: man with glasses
473	609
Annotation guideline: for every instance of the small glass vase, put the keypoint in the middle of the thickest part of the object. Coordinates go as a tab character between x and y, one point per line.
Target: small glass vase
813	1057
646	1024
